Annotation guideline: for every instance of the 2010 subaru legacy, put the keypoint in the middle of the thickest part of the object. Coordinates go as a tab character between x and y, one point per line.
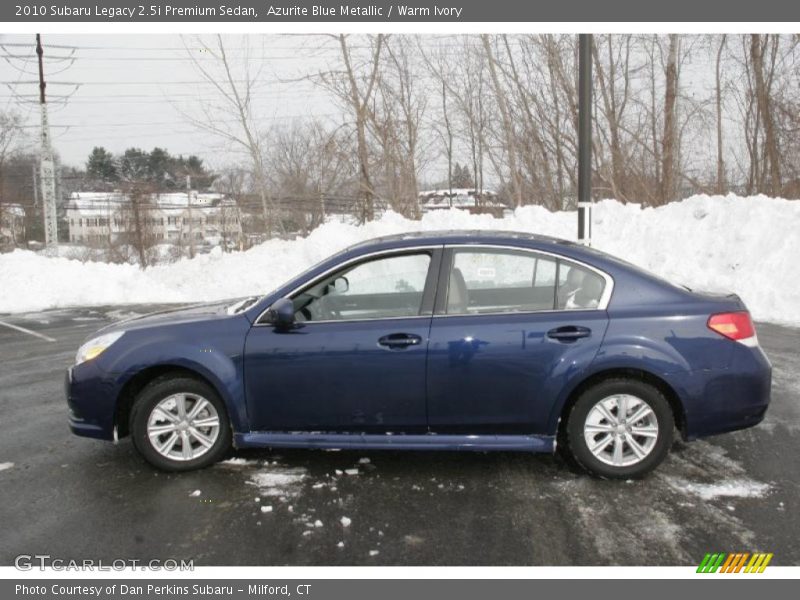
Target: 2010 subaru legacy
435	341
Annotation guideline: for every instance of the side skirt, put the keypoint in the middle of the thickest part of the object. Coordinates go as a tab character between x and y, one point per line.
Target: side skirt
363	441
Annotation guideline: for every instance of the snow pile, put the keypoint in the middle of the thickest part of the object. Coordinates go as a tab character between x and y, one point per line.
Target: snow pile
716	243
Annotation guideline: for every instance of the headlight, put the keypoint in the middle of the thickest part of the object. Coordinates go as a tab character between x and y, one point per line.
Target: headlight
96	346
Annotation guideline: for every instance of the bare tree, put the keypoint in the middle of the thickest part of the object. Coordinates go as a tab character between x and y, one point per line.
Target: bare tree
10	135
670	141
399	125
763	56
508	129
137	215
354	85
236	87
312	167
721	179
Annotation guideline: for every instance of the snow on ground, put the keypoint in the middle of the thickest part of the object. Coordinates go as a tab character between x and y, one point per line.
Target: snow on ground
716	243
727	488
278	481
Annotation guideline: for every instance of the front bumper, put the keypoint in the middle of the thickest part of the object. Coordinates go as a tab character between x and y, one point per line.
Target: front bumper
90	400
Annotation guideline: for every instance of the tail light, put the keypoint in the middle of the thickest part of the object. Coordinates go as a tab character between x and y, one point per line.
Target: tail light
736	326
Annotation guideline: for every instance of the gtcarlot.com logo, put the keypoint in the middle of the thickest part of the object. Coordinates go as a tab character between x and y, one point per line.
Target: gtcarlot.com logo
737	562
29	562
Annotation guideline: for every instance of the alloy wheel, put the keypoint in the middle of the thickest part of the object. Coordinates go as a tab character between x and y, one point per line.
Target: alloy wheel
183	427
621	430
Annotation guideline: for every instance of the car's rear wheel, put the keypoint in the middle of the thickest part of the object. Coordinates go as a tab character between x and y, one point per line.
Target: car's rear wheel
620	428
180	424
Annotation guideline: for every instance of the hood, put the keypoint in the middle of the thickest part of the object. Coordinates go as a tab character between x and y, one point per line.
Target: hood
188	314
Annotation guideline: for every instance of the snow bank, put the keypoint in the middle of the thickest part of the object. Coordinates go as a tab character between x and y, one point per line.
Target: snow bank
718	243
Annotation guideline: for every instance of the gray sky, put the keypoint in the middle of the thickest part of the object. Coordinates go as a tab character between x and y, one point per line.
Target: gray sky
126	90
130	90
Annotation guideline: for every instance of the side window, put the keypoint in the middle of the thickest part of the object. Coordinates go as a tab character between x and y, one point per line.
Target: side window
578	288
383	288
490	281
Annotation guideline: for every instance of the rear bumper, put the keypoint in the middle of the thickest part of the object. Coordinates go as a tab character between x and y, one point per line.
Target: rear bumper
722	400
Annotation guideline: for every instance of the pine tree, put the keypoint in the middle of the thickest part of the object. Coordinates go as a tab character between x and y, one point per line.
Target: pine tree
101	165
461	177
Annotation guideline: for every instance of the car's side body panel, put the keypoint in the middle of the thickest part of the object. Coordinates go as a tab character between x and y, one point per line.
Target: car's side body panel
336	377
493	374
211	348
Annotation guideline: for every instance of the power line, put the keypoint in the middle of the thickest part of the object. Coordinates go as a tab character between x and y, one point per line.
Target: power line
141	123
83	83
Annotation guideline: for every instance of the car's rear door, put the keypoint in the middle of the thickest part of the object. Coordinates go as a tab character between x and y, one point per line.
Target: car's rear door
510	327
356	360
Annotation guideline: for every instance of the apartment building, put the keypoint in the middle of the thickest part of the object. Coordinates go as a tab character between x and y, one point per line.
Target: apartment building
94	218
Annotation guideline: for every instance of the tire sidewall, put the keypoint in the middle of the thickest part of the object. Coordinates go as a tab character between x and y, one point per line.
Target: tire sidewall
589	398
157	391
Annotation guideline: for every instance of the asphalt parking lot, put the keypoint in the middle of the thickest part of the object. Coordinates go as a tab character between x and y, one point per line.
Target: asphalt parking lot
75	498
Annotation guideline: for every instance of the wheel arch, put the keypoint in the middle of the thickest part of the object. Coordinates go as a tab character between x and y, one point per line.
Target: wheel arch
135	384
674	400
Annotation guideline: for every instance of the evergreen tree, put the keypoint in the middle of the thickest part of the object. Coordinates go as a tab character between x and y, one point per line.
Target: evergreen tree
101	165
134	165
462	177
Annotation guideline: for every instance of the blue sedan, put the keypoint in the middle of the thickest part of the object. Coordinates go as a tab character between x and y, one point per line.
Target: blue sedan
433	341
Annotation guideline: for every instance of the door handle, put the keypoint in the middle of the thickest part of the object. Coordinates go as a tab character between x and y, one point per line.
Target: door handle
569	333
398	341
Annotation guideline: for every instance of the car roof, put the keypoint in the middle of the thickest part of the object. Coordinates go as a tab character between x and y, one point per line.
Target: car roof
458	236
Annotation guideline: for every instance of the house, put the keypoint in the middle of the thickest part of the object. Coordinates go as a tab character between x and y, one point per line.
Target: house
96	218
469	199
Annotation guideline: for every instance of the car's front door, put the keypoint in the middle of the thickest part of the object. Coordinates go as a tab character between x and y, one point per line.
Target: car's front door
510	327
355	359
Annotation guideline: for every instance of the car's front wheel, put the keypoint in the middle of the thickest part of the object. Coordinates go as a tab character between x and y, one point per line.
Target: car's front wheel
179	424
620	428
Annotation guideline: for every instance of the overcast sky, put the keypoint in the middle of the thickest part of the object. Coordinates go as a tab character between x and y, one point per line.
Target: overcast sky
130	90
136	90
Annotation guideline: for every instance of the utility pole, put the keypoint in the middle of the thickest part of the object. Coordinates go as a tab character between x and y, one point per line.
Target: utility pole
47	164
35	187
191	215
585	139
321	204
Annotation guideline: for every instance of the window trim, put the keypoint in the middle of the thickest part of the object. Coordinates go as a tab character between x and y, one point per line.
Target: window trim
447	265
428	294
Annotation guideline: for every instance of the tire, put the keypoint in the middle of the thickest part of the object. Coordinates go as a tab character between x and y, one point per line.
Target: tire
157	415
610	447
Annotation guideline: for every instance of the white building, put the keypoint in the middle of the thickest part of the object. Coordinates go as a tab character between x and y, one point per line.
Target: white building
469	199
96	218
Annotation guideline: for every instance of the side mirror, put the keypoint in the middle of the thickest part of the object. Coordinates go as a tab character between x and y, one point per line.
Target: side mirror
281	313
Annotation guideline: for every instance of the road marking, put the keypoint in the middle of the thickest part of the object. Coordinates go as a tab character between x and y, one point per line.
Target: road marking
47	338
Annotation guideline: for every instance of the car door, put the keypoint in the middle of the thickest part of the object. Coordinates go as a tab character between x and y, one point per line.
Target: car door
510	327
355	359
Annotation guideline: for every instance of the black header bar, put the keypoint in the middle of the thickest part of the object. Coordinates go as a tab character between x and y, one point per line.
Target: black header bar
465	11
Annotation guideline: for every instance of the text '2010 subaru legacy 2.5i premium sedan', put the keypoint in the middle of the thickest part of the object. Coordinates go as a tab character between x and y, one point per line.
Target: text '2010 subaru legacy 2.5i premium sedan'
449	341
